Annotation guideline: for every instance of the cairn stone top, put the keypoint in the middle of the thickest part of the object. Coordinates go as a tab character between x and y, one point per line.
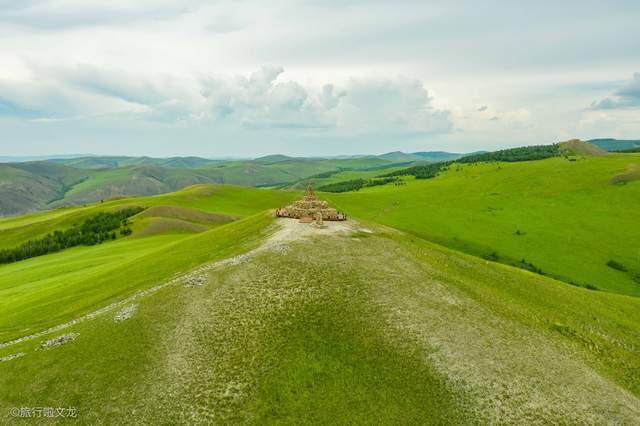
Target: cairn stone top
309	207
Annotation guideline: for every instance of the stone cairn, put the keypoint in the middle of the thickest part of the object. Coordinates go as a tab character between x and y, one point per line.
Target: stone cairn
309	208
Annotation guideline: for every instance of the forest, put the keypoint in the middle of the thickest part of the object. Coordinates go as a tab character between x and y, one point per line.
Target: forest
94	230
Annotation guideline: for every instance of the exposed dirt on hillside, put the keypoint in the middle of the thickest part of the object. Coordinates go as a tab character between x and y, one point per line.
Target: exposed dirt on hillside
578	147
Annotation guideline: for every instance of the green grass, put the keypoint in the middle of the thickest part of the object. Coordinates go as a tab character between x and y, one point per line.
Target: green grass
387	329
371	326
40	292
50	184
563	217
224	199
342	176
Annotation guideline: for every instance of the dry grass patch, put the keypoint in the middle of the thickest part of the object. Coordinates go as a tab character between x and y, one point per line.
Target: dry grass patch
191	215
632	173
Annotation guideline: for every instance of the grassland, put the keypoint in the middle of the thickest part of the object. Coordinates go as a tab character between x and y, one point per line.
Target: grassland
373	326
32	186
203	200
357	323
84	278
563	217
341	176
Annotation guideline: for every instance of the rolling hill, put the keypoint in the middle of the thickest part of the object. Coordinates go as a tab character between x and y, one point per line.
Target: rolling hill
568	219
32	186
112	162
256	321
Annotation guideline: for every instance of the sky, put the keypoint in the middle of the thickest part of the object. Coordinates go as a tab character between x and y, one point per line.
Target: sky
300	77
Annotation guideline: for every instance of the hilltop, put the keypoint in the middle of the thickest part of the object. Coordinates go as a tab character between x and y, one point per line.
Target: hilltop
578	147
259	322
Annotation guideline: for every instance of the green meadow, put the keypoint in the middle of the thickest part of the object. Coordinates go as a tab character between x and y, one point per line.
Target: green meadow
418	310
564	217
376	326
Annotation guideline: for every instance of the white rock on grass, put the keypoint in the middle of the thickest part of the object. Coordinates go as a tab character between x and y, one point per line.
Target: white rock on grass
125	313
280	248
60	340
195	280
12	356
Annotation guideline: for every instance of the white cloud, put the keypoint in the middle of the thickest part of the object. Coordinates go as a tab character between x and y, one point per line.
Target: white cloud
627	96
191	64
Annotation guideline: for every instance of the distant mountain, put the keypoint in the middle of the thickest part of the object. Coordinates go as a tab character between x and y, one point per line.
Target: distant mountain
31	186
400	157
422	156
110	162
272	159
437	156
615	144
23	159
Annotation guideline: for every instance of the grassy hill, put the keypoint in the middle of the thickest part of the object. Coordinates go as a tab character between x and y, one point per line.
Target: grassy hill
570	219
346	325
43	185
578	147
201	204
112	162
32	186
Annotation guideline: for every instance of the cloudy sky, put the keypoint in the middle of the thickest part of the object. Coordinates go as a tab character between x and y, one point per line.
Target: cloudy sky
247	78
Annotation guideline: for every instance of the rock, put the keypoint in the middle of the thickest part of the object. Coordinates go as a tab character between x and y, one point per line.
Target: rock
126	313
60	340
195	280
12	356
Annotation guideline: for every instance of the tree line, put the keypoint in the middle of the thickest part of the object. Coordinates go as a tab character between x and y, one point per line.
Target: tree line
425	171
525	153
96	229
357	184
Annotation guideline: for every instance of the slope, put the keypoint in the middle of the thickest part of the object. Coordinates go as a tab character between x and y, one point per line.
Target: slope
562	217
224	202
345	325
33	185
578	147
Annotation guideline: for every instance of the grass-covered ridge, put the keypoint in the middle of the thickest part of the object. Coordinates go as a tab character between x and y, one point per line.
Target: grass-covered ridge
374	326
564	218
48	290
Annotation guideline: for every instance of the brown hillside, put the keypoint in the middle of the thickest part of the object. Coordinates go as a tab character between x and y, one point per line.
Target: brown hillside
578	147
